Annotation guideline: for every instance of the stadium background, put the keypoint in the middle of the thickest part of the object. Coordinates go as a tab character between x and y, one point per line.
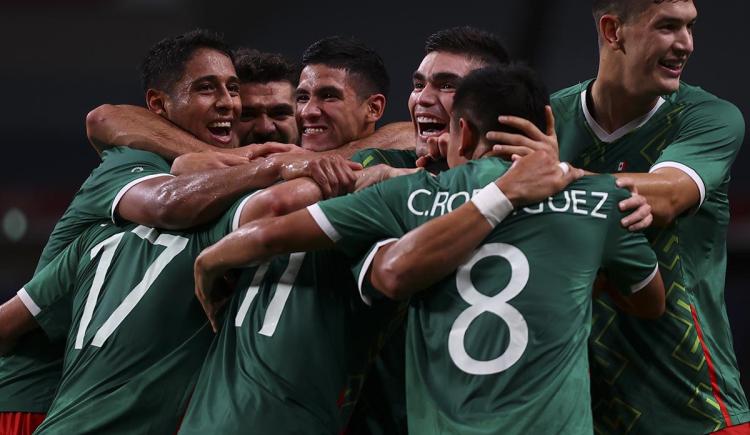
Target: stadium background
62	59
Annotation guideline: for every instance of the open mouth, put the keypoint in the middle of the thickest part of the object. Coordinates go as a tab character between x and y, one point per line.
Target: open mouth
221	129
430	126
307	131
672	66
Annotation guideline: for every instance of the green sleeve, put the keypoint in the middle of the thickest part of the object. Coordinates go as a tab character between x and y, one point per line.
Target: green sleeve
366	290
628	259
49	295
120	169
227	222
356	221
709	139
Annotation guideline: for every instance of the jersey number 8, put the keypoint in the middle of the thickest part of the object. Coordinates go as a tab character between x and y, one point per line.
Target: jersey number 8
497	305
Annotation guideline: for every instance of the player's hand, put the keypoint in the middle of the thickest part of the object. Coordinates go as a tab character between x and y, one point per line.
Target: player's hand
532	139
255	151
536	177
376	174
640	218
212	288
333	174
437	151
192	163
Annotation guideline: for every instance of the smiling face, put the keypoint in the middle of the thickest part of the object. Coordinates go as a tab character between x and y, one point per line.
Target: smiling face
205	101
267	113
431	100
329	110
656	45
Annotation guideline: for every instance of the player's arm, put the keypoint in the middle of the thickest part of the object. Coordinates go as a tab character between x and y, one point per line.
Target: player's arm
15	321
670	192
430	252
136	127
397	135
649	302
192	199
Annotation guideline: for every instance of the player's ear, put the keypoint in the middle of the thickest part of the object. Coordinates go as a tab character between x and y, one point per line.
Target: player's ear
156	102
469	139
610	31
375	107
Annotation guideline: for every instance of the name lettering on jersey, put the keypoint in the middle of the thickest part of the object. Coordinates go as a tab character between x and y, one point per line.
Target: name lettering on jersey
423	202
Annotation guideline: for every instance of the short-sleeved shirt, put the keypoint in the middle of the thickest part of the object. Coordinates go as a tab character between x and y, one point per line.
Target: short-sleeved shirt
122	297
31	374
695	386
499	346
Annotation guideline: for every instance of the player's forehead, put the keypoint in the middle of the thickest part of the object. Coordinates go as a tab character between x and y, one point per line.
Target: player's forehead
209	63
442	63
317	77
255	93
683	11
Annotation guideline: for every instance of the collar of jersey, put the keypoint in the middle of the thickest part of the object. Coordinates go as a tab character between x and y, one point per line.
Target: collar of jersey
620	132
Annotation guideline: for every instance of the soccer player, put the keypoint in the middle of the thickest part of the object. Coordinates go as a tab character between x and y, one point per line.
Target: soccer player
296	340
676	144
136	186
267	85
480	359
449	55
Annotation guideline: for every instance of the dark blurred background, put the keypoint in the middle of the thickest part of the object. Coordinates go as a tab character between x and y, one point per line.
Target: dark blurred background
62	59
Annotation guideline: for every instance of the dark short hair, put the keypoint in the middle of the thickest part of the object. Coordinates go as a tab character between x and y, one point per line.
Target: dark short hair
350	54
254	66
165	62
468	41
512	89
624	9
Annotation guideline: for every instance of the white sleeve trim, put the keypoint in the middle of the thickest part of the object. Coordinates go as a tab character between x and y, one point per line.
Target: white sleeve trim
320	218
635	288
690	173
238	212
366	266
30	304
127	187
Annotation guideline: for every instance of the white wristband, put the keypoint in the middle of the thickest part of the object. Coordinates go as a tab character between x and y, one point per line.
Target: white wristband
493	204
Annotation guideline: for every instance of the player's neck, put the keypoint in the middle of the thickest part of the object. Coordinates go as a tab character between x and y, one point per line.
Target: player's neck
612	105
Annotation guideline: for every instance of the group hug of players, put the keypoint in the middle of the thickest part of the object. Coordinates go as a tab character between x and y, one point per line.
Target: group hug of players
199	286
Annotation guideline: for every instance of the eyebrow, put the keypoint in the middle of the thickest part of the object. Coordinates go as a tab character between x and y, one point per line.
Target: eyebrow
215	78
329	90
437	77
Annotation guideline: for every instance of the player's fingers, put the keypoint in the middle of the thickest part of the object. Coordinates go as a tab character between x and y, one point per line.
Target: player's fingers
232	159
524	125
354	165
505	138
572	174
320	176
627	183
639	214
509	150
424	161
345	175
642	225
333	181
550	120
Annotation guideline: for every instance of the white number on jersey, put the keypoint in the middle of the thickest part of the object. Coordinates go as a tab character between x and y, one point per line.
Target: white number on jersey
276	306
497	305
174	245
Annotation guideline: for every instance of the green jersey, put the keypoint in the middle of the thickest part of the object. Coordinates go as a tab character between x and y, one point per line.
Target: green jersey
499	346
136	335
31	374
680	368
393	158
381	407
